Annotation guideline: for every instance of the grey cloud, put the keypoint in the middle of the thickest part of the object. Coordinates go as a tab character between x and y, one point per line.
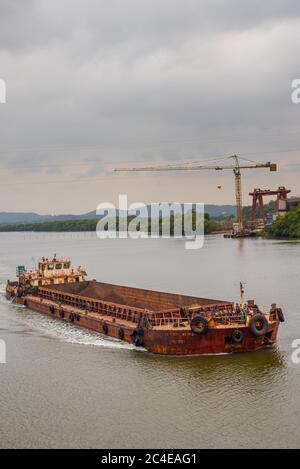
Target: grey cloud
133	80
30	23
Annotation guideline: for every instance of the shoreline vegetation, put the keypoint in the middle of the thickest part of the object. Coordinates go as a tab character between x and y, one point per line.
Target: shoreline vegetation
284	227
210	225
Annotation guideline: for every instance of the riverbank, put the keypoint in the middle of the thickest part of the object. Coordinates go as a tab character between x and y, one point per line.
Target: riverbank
210	225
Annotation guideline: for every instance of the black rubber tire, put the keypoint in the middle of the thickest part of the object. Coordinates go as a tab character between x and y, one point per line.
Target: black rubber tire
121	333
199	325
258	318
105	328
138	331
237	336
138	341
280	315
137	336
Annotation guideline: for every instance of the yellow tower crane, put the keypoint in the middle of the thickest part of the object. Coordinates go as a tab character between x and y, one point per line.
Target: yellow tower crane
235	167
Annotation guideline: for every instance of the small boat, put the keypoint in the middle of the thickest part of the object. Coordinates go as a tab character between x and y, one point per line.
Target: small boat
162	323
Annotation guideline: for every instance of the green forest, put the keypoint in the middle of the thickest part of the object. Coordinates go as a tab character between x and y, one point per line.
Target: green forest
287	226
90	225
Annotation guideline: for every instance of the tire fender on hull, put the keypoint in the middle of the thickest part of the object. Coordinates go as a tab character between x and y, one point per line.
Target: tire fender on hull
258	325
199	325
237	336
137	336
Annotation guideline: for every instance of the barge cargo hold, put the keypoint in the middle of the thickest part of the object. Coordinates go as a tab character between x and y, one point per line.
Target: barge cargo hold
163	323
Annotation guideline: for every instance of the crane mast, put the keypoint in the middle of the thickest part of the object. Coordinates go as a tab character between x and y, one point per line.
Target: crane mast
236	168
238	195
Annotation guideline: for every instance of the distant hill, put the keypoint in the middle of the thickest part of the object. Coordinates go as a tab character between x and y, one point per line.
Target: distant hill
31	217
220	210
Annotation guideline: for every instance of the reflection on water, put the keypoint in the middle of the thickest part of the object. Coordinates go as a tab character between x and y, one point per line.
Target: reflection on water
66	387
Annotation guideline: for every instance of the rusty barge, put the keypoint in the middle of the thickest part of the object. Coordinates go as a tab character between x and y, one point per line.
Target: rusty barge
162	323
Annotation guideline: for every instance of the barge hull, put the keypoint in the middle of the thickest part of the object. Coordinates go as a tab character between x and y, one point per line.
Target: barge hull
159	341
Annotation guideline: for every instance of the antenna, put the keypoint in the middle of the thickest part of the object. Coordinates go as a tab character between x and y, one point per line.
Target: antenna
242	291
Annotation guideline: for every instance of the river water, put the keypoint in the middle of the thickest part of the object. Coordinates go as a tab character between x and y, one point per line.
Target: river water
65	387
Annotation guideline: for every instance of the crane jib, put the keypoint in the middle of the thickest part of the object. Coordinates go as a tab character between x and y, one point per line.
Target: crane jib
236	168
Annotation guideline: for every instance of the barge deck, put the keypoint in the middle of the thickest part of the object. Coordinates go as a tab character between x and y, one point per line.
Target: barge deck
163	323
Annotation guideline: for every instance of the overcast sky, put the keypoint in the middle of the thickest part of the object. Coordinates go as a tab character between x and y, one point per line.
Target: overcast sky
94	84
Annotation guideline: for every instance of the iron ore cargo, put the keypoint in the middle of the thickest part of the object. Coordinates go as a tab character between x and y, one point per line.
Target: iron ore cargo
163	323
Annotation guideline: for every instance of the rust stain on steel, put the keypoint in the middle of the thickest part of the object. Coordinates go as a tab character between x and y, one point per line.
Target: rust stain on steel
156	320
